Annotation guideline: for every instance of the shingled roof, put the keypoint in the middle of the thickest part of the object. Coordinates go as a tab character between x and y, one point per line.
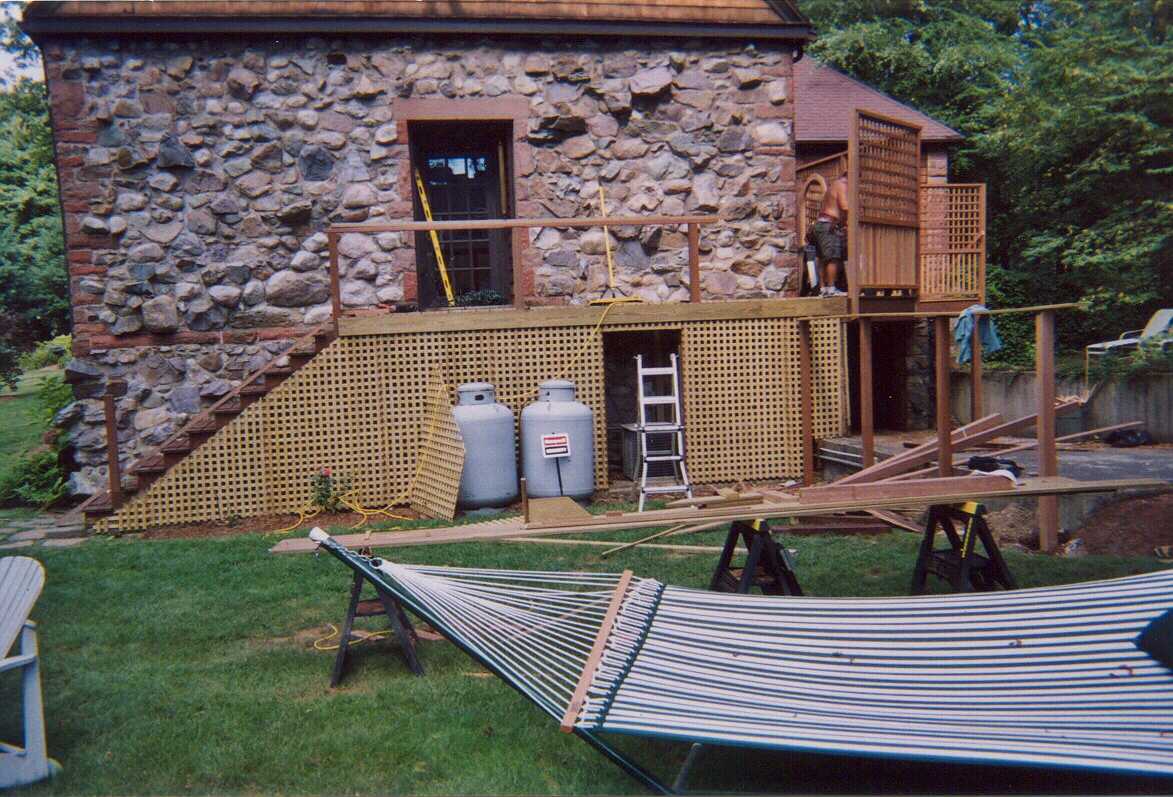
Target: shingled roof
827	99
754	19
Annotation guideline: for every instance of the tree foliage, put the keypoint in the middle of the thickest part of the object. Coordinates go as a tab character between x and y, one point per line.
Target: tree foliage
1067	107
34	303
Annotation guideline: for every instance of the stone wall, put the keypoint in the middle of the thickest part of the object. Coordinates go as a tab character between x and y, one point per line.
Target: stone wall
197	179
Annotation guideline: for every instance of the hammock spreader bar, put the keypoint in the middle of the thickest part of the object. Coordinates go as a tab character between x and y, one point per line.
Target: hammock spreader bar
1046	677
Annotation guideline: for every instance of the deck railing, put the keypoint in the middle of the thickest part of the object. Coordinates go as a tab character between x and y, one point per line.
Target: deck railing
952	241
519	229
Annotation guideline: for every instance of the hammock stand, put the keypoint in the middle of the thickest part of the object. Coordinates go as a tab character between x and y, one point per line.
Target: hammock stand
1046	677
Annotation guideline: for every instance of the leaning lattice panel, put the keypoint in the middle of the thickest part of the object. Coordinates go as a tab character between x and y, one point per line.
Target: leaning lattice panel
440	461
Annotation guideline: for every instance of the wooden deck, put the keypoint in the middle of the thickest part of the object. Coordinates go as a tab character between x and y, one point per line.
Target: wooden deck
619	315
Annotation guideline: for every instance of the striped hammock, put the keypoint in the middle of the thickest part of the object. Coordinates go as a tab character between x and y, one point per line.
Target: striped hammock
1042	677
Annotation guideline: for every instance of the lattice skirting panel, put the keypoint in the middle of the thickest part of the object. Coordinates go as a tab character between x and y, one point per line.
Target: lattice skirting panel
361	407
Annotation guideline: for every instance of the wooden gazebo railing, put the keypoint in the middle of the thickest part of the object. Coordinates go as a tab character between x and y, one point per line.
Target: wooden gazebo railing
518	229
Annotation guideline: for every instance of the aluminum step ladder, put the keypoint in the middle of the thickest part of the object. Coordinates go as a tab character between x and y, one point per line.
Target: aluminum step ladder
660	427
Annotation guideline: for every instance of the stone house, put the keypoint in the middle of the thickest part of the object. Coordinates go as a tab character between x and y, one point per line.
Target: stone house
203	148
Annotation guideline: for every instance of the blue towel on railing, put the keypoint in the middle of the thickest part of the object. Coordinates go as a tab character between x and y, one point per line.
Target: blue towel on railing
963	332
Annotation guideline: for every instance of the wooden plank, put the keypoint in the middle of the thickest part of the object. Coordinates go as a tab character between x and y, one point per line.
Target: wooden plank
736	499
657	546
508	224
473	319
867	393
896	520
512	527
976	431
555	511
944	418
1010	427
949	313
1048	508
592	662
922	488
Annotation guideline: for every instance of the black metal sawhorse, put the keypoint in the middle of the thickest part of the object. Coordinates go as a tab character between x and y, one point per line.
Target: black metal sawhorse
384	603
767	565
960	564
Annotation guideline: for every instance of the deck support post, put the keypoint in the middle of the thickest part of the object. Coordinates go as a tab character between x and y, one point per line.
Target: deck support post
694	262
867	391
806	388
517	244
975	373
1048	508
110	410
944	422
335	279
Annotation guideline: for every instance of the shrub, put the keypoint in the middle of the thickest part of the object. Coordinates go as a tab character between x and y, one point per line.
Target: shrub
48	352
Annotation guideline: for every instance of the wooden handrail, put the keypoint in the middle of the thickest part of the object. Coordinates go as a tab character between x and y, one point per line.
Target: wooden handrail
506	224
335	231
821	161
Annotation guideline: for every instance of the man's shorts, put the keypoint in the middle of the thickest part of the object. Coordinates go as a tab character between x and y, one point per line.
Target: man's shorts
830	240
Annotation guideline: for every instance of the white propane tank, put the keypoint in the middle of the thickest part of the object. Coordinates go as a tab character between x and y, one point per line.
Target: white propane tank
489	477
558	443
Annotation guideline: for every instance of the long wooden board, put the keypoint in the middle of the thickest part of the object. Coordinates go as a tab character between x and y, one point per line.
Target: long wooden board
870	491
515	527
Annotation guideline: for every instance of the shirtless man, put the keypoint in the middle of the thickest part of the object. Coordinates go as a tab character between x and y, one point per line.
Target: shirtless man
829	234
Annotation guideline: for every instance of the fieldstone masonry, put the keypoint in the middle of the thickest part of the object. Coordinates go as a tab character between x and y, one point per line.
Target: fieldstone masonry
197	179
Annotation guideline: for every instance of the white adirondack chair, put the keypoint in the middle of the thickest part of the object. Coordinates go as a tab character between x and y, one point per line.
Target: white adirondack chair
21	580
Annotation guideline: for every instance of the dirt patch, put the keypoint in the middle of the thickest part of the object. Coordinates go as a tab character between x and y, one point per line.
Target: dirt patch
1130	527
266	523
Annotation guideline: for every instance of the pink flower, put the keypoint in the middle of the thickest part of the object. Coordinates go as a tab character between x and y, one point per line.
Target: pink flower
326	472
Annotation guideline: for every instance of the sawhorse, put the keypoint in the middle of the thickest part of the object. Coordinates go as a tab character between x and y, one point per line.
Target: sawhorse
767	565
387	604
960	564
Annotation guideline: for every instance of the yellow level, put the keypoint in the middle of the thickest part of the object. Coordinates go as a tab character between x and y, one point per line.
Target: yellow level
419	184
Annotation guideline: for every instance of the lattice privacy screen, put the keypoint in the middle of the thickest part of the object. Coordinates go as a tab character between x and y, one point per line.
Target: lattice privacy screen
888	171
360	407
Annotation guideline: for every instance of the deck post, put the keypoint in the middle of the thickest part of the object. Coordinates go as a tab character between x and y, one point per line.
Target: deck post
694	262
867	390
114	389
517	243
335	279
1048	508
806	388
975	374
944	423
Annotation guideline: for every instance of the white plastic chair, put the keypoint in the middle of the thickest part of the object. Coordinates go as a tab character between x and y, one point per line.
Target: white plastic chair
1160	324
21	580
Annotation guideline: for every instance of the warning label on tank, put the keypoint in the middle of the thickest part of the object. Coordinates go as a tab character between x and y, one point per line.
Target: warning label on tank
555	446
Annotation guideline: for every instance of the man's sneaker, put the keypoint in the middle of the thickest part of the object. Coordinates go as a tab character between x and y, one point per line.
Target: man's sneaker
833	291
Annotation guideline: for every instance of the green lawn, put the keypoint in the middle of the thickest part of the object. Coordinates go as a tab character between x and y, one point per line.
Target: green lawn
19	427
187	667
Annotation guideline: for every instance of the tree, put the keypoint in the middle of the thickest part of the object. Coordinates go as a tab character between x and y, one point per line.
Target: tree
34	286
1066	105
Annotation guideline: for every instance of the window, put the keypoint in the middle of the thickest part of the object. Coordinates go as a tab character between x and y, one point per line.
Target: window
465	172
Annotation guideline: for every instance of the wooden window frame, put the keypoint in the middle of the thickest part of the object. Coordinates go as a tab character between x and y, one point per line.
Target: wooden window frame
511	110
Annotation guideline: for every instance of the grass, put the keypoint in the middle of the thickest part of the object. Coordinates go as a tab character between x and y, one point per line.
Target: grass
19	428
186	666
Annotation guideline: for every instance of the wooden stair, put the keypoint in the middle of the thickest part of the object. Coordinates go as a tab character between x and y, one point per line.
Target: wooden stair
201	427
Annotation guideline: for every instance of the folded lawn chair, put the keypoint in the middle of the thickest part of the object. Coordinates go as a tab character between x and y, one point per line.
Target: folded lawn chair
1046	677
21	580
